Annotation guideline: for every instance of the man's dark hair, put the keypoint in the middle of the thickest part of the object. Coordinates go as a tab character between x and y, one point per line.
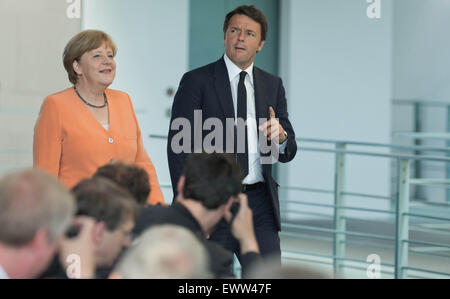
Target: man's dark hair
251	12
130	177
104	201
211	179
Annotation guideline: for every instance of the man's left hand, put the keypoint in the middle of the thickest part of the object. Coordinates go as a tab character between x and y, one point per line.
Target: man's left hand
272	129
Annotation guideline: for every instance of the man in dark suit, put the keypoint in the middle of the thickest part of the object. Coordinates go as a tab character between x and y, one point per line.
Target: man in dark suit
233	89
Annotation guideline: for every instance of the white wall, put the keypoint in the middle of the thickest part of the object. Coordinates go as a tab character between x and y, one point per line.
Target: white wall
422	47
336	64
32	38
421	65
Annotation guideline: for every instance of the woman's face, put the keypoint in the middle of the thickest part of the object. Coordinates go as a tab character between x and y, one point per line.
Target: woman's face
96	67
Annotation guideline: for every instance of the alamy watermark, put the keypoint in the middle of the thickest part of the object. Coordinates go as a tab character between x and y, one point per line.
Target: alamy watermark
208	136
374	9
374	269
74	9
73	270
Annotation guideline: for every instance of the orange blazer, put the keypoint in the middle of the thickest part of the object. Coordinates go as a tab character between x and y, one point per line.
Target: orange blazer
71	144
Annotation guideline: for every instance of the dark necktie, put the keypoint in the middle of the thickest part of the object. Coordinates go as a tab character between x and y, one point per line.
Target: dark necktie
242	158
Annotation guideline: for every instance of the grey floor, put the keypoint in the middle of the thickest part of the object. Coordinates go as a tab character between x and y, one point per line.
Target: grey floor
309	249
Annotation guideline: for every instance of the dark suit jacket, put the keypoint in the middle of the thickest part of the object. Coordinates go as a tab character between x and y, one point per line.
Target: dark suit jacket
221	260
208	89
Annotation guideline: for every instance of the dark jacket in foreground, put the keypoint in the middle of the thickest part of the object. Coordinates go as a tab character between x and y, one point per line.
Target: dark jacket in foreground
221	260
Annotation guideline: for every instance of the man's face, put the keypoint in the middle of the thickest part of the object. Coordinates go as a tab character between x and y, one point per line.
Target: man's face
243	40
113	242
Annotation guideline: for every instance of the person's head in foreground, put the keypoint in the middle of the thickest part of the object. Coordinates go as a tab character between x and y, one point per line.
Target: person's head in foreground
114	211
165	252
35	210
130	177
210	185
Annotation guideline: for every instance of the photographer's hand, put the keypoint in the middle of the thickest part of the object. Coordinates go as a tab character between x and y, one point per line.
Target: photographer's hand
242	226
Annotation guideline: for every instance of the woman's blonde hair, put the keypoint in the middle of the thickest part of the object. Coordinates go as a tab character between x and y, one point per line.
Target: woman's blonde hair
81	43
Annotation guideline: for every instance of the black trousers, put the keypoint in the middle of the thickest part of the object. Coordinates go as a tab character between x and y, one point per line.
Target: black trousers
266	230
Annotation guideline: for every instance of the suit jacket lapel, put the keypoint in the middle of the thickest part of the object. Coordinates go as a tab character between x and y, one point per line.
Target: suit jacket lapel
262	111
223	88
262	108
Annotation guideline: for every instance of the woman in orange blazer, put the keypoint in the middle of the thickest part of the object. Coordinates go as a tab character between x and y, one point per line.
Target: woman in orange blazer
87	126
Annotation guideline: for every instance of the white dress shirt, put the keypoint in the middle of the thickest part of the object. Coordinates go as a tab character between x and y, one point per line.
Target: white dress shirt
3	274
254	159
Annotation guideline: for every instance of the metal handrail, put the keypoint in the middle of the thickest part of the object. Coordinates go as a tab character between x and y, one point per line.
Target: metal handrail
355	143
378	155
402	209
426	271
413	148
338	207
428	244
427	217
308	189
402	201
412	251
284	211
334	257
352	242
316	190
418	136
327	230
409	102
15	151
